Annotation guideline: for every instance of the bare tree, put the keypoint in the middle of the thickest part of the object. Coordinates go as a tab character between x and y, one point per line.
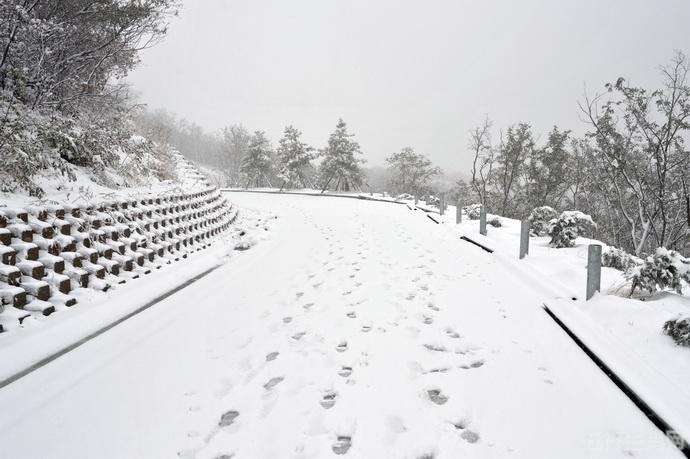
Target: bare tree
640	147
483	162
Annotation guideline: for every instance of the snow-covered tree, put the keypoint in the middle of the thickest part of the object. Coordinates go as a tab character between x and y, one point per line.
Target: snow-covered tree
411	172
256	165
340	165
61	92
294	159
547	171
234	144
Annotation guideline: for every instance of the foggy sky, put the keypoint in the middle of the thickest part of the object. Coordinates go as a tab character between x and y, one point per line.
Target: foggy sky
404	73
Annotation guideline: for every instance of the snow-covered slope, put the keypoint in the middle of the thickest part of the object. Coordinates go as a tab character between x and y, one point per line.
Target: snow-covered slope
52	250
626	333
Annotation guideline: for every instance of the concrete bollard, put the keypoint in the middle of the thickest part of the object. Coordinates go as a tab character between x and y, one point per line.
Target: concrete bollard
593	270
458	212
442	205
524	238
482	221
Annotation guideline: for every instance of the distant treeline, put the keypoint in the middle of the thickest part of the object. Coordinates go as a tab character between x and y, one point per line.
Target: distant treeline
630	172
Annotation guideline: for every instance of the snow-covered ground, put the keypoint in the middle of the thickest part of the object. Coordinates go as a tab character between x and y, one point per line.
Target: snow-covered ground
357	328
85	189
41	336
626	333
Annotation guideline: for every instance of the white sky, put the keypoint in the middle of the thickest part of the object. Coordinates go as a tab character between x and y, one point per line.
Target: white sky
404	73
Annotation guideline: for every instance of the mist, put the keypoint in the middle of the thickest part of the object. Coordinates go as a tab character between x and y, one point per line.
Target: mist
404	73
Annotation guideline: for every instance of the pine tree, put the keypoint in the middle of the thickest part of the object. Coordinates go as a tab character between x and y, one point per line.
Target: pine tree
294	158
256	165
340	161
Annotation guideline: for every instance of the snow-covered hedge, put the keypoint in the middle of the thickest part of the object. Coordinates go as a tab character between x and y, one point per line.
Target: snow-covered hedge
619	259
663	270
570	225
473	211
678	330
495	222
539	220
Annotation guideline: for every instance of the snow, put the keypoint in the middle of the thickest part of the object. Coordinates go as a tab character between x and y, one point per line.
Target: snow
39	336
626	333
358	328
84	190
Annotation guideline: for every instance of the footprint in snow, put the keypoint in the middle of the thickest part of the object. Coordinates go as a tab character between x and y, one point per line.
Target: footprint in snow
432	306
345	371
470	436
351	315
341	347
437	397
287	320
366	328
435	347
428	320
439	370
298	336
475	364
308	306
228	418
271	356
273	382
342	445
328	399
452	333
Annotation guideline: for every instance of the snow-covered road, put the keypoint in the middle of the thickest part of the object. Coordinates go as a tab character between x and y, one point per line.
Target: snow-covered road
359	328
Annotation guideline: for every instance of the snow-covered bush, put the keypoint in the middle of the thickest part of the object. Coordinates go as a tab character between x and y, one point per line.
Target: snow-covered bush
618	259
570	225
62	104
665	269
432	200
473	211
405	197
539	220
678	330
495	222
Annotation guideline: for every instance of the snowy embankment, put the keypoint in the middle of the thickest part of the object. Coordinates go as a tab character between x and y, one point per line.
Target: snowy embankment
71	267
626	333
